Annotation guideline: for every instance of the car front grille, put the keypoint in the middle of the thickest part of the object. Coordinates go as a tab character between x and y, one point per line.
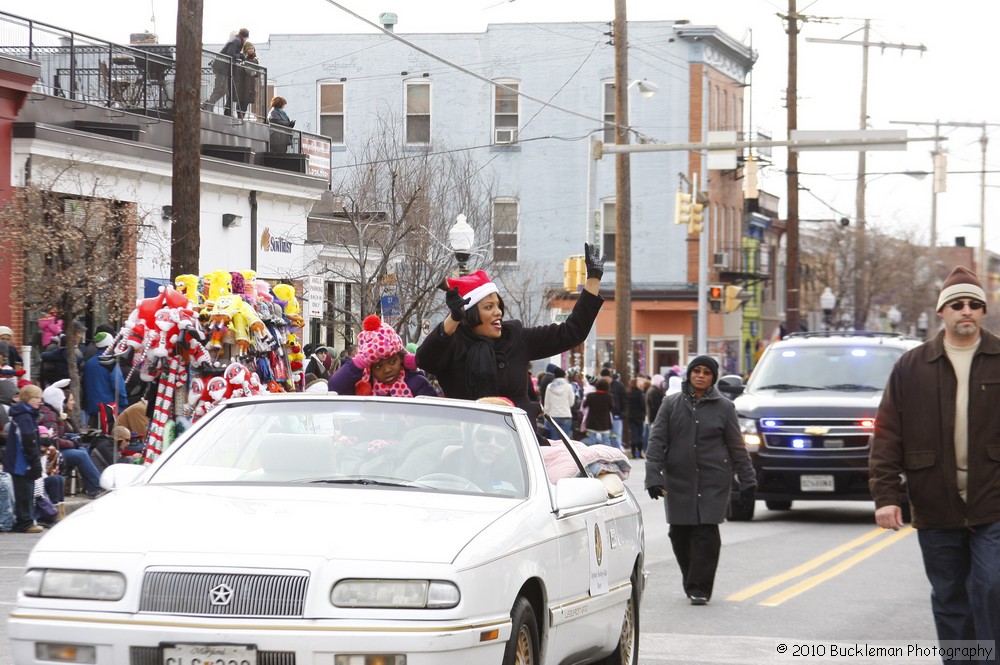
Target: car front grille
224	594
153	656
811	433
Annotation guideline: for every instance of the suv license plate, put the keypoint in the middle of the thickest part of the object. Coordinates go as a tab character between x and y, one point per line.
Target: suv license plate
209	654
815	484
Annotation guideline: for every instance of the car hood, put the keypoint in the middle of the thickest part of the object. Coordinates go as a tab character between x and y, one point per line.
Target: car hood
812	403
325	521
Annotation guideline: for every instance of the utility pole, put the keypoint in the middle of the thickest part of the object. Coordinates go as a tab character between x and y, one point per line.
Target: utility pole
623	205
185	226
792	222
861	297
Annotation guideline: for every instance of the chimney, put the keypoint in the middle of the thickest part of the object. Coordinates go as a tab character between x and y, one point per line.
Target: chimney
388	20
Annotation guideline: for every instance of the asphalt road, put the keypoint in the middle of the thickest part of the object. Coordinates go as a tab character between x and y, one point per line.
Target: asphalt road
817	576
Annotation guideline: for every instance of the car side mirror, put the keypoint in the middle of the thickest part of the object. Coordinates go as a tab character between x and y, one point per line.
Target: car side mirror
731	385
577	493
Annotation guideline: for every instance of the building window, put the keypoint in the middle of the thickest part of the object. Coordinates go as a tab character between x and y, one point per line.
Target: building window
505	230
418	113
331	111
609	112
506	107
608	231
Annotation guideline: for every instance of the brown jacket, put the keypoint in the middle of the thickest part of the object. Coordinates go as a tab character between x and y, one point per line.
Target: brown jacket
914	433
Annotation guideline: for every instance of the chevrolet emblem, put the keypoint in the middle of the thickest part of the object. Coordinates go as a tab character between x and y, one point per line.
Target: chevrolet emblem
817	431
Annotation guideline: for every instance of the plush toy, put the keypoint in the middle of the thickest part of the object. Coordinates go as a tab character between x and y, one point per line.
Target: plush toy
217	283
293	312
188	285
250	287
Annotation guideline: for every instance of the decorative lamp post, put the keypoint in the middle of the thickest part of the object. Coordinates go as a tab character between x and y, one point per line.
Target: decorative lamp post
894	316
922	325
827	301
460	237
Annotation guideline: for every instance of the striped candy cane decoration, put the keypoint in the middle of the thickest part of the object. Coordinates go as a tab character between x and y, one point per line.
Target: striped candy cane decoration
162	412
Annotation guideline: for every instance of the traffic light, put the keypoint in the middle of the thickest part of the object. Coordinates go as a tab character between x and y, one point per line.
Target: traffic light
682	208
574	274
733	300
687	211
695	218
715	297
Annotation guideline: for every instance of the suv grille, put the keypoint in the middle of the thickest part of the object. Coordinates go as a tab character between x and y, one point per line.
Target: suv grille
223	594
824	434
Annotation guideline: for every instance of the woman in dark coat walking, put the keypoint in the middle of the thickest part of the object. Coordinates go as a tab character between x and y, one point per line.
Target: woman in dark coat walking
475	353
695	447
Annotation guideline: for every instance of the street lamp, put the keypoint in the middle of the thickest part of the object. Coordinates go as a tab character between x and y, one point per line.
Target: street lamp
460	237
827	301
894	316
646	88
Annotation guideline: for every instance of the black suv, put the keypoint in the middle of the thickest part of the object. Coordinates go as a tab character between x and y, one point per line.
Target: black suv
807	414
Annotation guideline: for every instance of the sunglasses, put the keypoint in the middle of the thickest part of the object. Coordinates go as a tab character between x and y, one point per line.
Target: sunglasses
959	305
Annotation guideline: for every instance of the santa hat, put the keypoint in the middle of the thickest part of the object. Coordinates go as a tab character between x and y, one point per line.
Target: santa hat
377	339
475	287
961	283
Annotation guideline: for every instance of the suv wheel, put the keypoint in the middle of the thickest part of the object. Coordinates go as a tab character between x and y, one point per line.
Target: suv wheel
778	505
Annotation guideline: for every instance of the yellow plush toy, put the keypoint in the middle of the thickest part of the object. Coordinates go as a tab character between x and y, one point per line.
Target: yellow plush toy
188	285
239	317
293	312
219	282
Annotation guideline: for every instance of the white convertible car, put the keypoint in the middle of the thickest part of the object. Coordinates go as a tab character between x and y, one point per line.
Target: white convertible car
300	530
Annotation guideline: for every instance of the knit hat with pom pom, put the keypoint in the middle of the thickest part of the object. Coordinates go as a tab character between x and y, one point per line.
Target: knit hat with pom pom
378	339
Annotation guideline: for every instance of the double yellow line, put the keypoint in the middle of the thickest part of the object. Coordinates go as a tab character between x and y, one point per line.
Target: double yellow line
824	575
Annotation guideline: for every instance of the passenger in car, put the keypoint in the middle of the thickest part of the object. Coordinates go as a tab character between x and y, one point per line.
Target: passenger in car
476	353
379	366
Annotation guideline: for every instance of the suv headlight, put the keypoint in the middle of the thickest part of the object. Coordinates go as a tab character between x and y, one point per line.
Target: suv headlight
73	584
751	435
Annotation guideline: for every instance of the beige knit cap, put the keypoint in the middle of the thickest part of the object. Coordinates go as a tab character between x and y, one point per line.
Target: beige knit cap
961	283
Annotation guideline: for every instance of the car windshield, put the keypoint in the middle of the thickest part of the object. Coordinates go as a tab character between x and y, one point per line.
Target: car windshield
836	367
406	444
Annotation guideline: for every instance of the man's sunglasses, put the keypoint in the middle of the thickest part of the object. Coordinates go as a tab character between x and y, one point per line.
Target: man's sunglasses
959	305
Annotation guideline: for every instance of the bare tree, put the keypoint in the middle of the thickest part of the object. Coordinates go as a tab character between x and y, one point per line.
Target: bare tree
389	232
76	253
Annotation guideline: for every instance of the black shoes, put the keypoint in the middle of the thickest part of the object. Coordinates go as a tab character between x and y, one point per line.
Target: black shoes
699	600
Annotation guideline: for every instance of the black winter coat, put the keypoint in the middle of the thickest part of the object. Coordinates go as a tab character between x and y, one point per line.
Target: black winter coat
445	356
694	450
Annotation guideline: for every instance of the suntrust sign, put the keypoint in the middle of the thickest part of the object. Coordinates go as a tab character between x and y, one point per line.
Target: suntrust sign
270	243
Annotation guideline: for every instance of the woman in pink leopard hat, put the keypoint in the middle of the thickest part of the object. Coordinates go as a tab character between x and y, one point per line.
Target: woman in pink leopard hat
380	367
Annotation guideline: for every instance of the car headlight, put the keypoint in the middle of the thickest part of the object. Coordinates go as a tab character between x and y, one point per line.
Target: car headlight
75	584
400	594
751	436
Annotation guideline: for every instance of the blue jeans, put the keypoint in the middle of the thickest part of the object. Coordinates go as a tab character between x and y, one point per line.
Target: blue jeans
616	432
80	458
963	567
55	488
602	437
565	423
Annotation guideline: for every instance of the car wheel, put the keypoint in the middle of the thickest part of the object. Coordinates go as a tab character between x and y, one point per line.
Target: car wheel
740	511
778	505
522	648
627	651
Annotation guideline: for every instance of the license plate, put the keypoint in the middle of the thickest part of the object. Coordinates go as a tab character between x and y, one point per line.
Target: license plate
209	654
815	484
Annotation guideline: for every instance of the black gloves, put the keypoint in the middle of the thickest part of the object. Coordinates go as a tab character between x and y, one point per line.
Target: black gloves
748	493
594	260
656	491
456	304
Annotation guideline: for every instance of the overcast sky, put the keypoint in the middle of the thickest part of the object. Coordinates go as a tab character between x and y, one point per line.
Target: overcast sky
953	81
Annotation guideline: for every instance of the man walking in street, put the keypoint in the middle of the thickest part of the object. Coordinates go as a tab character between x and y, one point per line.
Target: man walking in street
939	424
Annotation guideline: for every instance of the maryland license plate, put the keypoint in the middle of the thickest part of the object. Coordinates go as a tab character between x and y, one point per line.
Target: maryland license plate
209	654
816	483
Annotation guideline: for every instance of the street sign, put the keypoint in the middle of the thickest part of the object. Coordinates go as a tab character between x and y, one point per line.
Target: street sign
719	159
314	304
391	306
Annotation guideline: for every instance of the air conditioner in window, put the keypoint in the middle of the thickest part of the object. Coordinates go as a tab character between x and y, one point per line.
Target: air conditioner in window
721	260
504	136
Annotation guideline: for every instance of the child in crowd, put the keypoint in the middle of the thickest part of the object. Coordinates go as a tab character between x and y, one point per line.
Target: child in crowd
381	366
